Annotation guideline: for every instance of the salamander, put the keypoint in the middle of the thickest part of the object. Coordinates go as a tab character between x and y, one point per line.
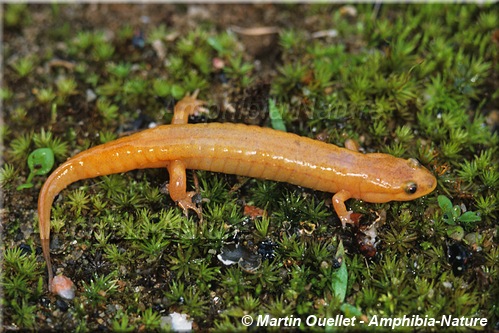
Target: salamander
242	150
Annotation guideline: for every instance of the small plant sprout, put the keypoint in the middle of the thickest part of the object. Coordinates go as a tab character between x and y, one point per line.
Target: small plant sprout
19	114
121	70
291	75
110	88
487	205
15	287
177	91
24	314
158	33
24	66
83	40
135	90
340	276
107	110
45	96
106	136
53	113
8	174
262	226
16	14
20	263
100	288
193	81
20	146
45	139
176	291
276	116
66	87
224	43
78	200
40	162
121	323
161	87
452	215
5	131
240	70
290	39
103	51
151	319
176	65
201	59
6	94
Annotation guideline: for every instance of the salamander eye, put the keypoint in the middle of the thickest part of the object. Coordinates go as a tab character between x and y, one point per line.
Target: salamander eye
411	188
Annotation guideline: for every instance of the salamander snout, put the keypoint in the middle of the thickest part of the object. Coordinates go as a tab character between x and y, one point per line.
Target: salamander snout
423	180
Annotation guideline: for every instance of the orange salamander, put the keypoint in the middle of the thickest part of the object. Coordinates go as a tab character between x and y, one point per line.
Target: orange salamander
243	150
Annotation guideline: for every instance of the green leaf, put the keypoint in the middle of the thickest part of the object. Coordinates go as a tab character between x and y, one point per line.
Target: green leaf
276	117
340	276
451	213
40	162
350	311
469	217
215	43
444	203
456	212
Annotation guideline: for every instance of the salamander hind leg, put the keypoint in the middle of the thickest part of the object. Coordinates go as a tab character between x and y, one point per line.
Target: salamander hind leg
187	106
339	206
177	188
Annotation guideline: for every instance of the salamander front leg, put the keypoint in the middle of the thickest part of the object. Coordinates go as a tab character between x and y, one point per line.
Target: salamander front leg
186	107
177	188
339	206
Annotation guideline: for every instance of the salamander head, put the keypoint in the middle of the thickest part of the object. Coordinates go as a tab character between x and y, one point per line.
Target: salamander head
396	179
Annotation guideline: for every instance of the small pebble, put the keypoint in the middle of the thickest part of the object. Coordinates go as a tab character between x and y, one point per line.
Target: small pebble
159	48
25	249
63	287
218	63
267	249
138	39
178	322
62	305
44	301
91	96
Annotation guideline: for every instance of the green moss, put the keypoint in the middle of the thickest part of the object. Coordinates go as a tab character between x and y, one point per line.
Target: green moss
20	146
16	15
122	323
66	87
45	95
24	66
99	289
412	81
8	174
